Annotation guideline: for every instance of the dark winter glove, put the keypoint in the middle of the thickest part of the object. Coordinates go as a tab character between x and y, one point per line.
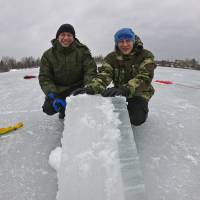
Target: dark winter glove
59	104
85	90
116	91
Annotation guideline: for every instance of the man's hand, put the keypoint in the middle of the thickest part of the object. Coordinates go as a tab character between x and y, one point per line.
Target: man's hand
116	91
85	90
59	104
51	96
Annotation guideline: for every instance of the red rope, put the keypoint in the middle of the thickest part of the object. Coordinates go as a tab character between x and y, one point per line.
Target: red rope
163	81
170	82
29	76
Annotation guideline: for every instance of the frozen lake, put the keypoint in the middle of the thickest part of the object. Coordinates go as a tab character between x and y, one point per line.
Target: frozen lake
167	144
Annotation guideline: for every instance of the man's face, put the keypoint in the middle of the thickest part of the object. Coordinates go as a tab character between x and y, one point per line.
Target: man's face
65	39
125	46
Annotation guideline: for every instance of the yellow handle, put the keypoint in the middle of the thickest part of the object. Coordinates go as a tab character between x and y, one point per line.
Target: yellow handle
11	128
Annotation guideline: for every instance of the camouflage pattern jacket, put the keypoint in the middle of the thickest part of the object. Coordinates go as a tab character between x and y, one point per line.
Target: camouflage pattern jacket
134	71
64	69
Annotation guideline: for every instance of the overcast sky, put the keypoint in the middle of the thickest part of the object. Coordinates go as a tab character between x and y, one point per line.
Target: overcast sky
170	29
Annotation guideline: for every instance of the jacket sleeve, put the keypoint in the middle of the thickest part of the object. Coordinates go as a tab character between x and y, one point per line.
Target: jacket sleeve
144	76
103	78
46	79
89	67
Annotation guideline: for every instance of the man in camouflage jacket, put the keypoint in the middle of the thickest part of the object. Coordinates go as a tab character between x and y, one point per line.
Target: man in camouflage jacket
66	66
131	69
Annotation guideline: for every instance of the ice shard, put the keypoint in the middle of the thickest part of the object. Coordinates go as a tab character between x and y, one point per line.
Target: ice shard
99	159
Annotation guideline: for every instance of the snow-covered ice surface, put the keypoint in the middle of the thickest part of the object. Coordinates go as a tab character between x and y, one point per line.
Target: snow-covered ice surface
168	143
99	160
24	170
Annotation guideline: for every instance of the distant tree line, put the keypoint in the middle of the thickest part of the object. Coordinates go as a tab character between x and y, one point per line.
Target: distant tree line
7	63
98	59
185	64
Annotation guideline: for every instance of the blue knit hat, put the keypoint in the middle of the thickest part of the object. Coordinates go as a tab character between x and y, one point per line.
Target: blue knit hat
124	33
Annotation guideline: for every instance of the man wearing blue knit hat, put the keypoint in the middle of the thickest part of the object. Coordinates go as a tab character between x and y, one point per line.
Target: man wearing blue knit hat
131	68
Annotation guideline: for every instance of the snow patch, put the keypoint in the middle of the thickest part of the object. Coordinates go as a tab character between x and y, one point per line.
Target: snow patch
192	159
55	158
